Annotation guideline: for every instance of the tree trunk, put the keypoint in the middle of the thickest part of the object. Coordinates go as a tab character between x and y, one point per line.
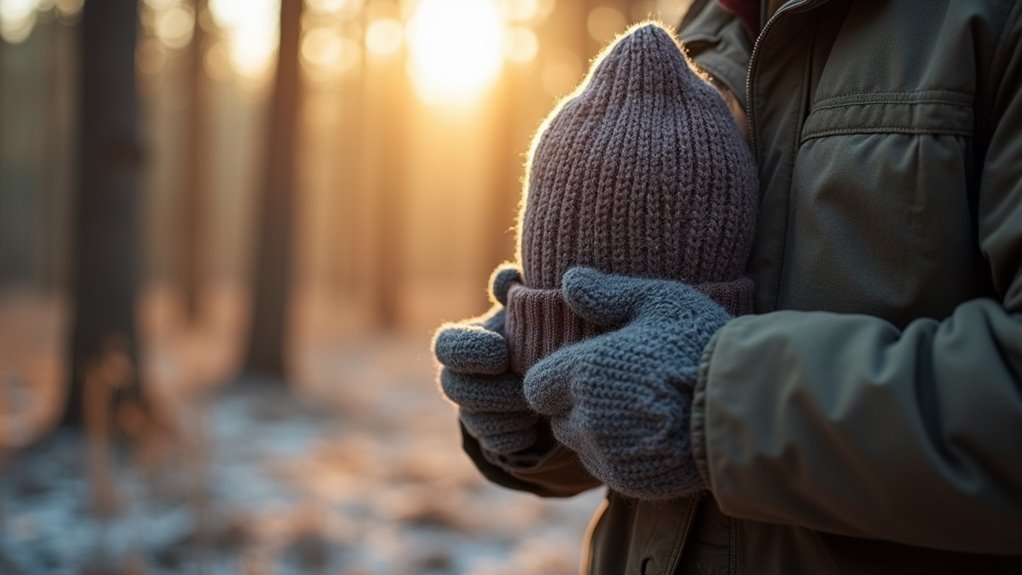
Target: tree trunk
105	239
390	101
268	335
61	98
196	171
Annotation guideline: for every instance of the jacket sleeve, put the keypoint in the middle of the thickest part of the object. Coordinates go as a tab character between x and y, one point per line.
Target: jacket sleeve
846	424
553	471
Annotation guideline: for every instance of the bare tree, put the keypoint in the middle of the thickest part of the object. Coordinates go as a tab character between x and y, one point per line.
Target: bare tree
273	256
191	256
106	238
59	95
386	104
390	181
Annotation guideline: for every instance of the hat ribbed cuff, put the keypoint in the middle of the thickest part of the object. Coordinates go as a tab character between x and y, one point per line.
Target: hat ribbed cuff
539	321
734	296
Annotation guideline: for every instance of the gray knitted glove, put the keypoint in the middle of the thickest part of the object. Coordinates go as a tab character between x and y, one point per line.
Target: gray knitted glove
475	376
622	400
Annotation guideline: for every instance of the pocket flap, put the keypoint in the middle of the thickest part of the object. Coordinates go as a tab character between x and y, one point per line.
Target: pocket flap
925	112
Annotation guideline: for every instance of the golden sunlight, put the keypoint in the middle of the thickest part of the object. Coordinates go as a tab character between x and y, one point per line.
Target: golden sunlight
456	48
340	8
173	25
384	36
17	18
327	53
521	45
68	10
252	28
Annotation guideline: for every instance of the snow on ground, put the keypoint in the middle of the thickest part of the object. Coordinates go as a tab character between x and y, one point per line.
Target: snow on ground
360	472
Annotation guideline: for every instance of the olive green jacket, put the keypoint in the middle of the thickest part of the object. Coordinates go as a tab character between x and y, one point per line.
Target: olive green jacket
868	417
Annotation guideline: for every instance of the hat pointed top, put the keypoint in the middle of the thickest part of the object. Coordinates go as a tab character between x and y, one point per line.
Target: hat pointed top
649	58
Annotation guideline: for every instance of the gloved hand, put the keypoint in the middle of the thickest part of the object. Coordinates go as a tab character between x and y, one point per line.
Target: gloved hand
622	400
475	375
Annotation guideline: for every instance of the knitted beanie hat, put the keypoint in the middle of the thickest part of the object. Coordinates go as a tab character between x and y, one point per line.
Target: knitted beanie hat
641	171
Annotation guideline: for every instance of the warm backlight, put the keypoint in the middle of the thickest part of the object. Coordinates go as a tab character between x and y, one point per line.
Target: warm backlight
252	29
455	48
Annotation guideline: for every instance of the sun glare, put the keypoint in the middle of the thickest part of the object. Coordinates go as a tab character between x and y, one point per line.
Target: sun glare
252	32
456	48
384	36
520	45
17	18
174	25
328	54
340	8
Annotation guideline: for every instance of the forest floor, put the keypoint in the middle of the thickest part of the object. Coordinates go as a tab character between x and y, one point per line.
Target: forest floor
356	471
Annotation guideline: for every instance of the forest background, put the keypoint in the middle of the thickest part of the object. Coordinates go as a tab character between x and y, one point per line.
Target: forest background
228	229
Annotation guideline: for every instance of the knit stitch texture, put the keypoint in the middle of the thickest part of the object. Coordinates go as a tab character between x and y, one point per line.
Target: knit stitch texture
475	376
622	400
641	172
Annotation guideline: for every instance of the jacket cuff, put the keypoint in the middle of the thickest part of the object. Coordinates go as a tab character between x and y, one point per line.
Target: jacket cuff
553	472
697	425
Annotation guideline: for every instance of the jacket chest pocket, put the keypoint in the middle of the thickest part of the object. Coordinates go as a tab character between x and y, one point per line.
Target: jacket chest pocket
880	205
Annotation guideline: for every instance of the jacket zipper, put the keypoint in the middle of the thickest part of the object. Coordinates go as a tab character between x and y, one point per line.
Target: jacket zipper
785	8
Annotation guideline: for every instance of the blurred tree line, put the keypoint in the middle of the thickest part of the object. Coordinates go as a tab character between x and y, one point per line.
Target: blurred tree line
136	157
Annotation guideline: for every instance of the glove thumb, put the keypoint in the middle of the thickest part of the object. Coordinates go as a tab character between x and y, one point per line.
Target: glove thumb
501	280
604	299
470	349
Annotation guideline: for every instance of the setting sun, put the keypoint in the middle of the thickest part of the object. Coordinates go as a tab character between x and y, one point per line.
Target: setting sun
456	48
251	31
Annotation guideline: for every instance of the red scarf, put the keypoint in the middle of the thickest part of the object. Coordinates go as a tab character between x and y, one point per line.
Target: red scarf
747	11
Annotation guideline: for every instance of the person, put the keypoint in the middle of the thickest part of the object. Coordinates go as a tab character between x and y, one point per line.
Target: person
865	418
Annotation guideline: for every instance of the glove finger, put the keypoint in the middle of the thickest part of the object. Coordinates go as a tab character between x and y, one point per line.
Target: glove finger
508	443
470	349
548	383
501	393
488	424
501	280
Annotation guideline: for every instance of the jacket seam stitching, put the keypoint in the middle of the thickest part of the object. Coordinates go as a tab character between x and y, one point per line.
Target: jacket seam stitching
892	102
888	129
700	406
903	97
